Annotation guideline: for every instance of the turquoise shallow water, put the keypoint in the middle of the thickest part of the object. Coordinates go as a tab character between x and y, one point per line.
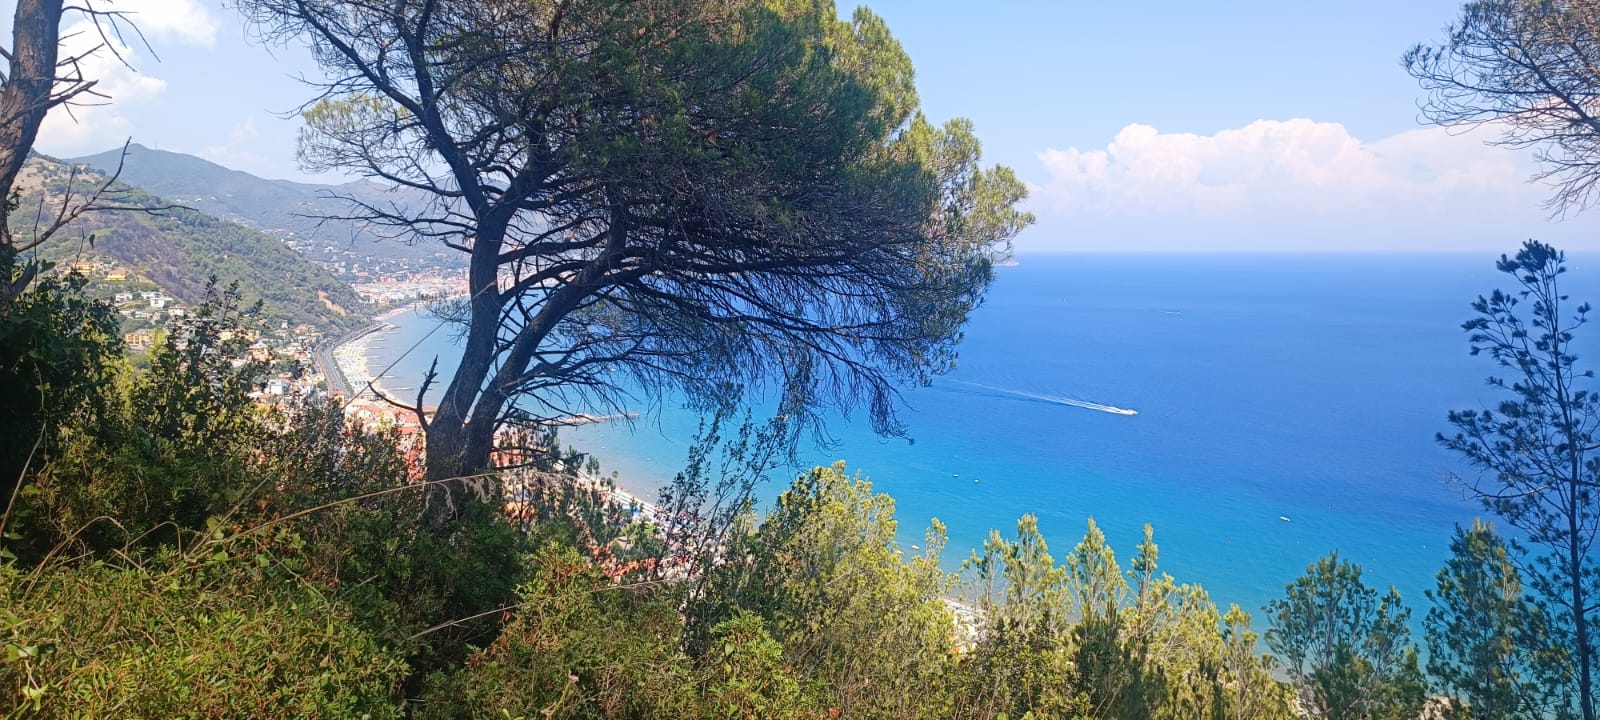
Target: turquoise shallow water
1306	387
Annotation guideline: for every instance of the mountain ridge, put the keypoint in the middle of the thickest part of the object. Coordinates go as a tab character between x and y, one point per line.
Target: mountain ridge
292	211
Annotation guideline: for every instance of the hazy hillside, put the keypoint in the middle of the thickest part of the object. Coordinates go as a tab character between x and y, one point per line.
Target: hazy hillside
287	210
180	249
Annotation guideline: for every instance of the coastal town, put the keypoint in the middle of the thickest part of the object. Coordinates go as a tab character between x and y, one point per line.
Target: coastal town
351	263
306	360
341	367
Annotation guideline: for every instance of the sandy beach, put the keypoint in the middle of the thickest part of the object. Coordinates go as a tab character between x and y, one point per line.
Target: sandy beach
354	358
353	362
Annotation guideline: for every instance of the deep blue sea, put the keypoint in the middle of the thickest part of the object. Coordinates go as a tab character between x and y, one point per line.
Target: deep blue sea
1287	406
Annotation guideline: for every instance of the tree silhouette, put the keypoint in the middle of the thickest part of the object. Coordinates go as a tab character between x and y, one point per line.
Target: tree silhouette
1536	449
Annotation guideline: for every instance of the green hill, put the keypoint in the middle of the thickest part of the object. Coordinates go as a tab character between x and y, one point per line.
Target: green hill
287	210
179	249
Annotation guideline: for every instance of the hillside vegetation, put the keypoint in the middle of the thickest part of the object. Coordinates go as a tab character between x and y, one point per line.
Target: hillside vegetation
179	249
288	210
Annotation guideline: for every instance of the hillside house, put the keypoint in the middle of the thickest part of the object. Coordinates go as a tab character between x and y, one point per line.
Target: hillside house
138	339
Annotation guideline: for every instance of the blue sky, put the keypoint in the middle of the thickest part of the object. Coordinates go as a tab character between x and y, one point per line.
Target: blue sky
1155	126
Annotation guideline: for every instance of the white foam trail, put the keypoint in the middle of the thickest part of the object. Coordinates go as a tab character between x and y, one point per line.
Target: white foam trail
1114	410
1069	402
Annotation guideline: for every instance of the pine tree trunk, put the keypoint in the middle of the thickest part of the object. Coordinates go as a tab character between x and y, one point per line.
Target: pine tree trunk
24	100
453	450
458	448
26	97
1580	622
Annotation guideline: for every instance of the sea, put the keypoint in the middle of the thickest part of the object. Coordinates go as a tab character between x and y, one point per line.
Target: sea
1283	406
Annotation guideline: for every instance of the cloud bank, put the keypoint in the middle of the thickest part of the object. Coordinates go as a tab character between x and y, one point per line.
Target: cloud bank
122	67
1294	185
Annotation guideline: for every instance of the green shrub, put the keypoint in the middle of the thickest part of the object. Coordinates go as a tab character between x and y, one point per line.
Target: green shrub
576	646
170	450
58	353
173	641
856	615
744	676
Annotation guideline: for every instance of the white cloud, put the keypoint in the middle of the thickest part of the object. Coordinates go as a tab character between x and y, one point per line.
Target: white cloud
121	69
184	21
1294	184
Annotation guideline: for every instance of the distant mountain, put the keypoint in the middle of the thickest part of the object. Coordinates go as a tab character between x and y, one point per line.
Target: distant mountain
180	249
287	210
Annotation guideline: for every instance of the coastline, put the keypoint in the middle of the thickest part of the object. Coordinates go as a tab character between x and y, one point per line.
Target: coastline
1248	455
352	368
352	357
626	490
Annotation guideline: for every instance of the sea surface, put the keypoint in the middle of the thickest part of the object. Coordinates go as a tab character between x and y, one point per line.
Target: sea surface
1286	407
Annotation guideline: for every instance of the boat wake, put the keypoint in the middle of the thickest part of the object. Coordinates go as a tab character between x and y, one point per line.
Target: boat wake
1051	399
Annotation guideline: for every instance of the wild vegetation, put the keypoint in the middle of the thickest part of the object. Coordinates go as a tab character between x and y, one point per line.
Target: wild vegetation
238	560
168	548
180	249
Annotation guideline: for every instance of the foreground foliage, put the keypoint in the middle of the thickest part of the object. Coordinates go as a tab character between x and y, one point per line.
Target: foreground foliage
58	355
1084	638
1346	648
1491	647
179	551
176	639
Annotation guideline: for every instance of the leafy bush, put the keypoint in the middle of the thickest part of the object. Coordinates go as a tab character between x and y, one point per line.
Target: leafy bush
58	354
170	450
744	675
576	646
335	503
176	640
1084	638
852	611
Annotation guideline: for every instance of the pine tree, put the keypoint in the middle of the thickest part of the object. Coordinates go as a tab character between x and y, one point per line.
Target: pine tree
1347	650
1537	448
1488	645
